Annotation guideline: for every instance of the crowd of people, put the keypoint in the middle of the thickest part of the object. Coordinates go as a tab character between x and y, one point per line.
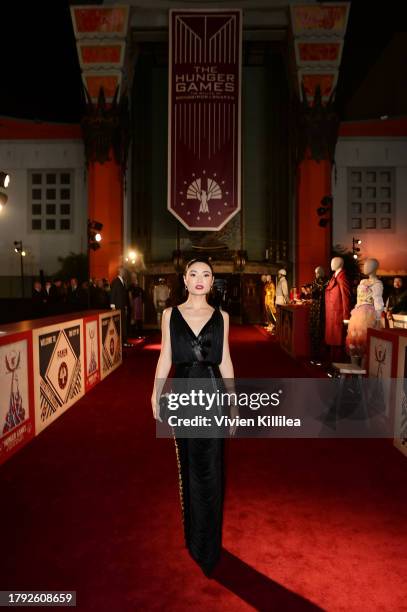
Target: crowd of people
57	296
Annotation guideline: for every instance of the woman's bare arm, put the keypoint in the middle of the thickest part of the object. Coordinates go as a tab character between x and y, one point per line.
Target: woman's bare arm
164	360
227	372
226	366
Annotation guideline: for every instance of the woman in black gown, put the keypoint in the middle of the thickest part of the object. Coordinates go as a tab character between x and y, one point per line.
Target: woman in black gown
195	340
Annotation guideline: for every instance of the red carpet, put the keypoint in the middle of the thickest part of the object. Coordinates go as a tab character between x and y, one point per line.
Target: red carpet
92	505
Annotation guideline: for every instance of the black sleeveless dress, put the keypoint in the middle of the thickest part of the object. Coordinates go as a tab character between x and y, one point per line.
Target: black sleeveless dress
200	460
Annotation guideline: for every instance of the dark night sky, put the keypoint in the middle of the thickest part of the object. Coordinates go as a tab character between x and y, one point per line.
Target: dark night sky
40	69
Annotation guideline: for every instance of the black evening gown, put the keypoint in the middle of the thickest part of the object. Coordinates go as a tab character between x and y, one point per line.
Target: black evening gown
200	460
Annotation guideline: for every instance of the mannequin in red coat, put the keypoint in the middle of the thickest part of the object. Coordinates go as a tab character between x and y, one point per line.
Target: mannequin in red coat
337	308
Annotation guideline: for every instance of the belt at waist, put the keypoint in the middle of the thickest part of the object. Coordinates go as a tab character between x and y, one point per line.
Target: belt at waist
194	363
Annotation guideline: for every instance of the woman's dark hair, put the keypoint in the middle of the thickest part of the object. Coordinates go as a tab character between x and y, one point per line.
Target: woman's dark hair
198	260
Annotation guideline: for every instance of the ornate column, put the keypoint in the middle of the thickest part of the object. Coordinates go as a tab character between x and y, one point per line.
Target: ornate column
318	32
101	35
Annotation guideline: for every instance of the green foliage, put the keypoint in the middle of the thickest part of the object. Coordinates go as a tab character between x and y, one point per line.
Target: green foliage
73	265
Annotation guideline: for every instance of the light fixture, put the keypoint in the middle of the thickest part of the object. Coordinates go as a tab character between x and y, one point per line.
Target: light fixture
325	208
4	179
18	248
94	235
132	257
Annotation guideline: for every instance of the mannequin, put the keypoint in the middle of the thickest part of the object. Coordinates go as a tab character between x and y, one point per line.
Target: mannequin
160	297
367	312
282	295
317	312
269	302
337	308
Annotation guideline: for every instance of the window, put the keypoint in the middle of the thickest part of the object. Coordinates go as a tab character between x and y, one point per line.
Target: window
51	200
371	199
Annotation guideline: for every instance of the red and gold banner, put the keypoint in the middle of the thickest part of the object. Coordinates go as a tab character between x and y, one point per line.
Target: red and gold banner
98	21
100	34
318	32
204	139
317	18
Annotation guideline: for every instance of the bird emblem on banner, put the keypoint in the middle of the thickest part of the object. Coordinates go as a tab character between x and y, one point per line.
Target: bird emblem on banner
196	192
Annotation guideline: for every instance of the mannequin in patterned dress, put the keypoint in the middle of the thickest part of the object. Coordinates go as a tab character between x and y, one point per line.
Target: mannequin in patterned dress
367	312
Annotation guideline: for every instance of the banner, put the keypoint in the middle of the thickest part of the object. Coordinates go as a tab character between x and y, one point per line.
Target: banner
92	360
110	341
59	371
204	117
16	395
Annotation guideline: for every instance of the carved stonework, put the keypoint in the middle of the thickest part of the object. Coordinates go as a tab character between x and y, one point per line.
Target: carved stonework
106	129
317	128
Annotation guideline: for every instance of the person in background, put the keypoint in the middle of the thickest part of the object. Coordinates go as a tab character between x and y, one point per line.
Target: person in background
119	299
99	295
136	299
397	301
73	294
83	296
59	296
38	300
396	293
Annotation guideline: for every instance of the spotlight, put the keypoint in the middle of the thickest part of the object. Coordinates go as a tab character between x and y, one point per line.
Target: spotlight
323	222
4	179
355	248
94	235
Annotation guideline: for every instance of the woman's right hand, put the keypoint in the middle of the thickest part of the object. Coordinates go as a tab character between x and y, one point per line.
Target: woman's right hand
156	409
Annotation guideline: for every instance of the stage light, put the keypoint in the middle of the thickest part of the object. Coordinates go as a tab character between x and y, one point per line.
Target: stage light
323	222
4	179
355	249
132	257
321	211
94	235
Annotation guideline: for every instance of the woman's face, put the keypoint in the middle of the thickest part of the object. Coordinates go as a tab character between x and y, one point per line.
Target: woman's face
199	278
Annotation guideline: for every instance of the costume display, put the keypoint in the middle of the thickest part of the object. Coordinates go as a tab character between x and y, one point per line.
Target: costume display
367	312
317	312
200	460
160	296
269	301
282	294
337	304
